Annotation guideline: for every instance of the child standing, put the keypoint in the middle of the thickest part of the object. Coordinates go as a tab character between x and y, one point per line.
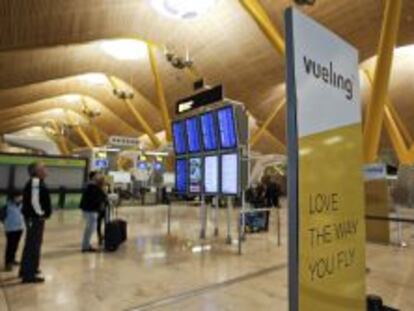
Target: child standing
13	226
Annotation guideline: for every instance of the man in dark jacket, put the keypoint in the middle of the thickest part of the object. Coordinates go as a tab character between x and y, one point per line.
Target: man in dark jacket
92	201
36	209
272	193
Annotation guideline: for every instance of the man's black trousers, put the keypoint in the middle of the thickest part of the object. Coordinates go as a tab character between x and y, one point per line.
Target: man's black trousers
32	248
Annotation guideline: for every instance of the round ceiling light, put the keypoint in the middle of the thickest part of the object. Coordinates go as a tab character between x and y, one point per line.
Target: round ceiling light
183	9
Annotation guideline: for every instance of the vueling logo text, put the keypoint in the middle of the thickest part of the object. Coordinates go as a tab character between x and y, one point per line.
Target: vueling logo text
329	76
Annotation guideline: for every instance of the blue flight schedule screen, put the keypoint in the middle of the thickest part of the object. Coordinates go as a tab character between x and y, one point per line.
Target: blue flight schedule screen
158	166
227	126
101	163
208	129
142	166
193	135
179	137
181	175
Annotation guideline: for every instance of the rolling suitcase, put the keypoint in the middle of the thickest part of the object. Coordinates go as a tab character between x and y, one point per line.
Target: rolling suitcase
122	224
115	231
256	221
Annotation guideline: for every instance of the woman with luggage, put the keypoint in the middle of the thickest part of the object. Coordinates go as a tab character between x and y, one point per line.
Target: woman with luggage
92	202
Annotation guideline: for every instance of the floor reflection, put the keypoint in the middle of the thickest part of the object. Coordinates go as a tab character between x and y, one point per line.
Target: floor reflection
156	271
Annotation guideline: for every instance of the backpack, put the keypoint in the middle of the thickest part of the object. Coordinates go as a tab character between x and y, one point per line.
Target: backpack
3	213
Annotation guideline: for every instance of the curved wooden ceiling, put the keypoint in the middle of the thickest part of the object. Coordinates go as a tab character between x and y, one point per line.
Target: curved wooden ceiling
46	44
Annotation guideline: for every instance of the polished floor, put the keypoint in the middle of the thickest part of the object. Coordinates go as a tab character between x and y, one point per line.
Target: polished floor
153	271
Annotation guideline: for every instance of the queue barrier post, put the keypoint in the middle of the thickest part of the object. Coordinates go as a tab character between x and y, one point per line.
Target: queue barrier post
169	219
229	214
400	239
203	218
278	224
216	215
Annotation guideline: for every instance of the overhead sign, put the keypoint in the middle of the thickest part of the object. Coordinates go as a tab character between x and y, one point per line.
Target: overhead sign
201	99
326	212
123	141
375	171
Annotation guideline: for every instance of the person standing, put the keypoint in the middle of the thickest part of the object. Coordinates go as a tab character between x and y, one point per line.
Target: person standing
272	193
13	227
36	209
102	212
93	198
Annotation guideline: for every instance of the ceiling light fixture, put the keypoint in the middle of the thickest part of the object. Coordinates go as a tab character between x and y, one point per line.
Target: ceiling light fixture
183	9
93	78
124	49
71	98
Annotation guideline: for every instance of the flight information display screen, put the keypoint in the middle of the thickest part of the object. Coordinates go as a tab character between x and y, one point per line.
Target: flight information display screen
158	166
229	173
181	175
193	135
142	165
208	129
195	175
227	128
179	137
211	174
101	163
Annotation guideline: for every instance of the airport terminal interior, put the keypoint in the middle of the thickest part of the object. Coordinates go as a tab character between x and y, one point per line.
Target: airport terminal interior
233	155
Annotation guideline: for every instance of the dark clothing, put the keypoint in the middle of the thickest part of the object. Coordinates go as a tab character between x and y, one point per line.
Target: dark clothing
93	199
36	207
44	200
260	192
32	248
272	194
255	197
101	220
12	244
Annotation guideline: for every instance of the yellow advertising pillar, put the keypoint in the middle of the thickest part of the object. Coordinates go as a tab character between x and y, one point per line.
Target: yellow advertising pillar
326	190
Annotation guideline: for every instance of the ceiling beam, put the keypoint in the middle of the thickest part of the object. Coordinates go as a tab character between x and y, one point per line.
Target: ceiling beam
138	116
262	129
375	108
162	102
259	15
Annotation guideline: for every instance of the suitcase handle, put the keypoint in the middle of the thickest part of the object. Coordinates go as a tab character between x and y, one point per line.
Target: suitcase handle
107	212
110	211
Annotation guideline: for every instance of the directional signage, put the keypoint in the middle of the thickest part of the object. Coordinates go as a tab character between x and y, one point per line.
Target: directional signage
123	141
